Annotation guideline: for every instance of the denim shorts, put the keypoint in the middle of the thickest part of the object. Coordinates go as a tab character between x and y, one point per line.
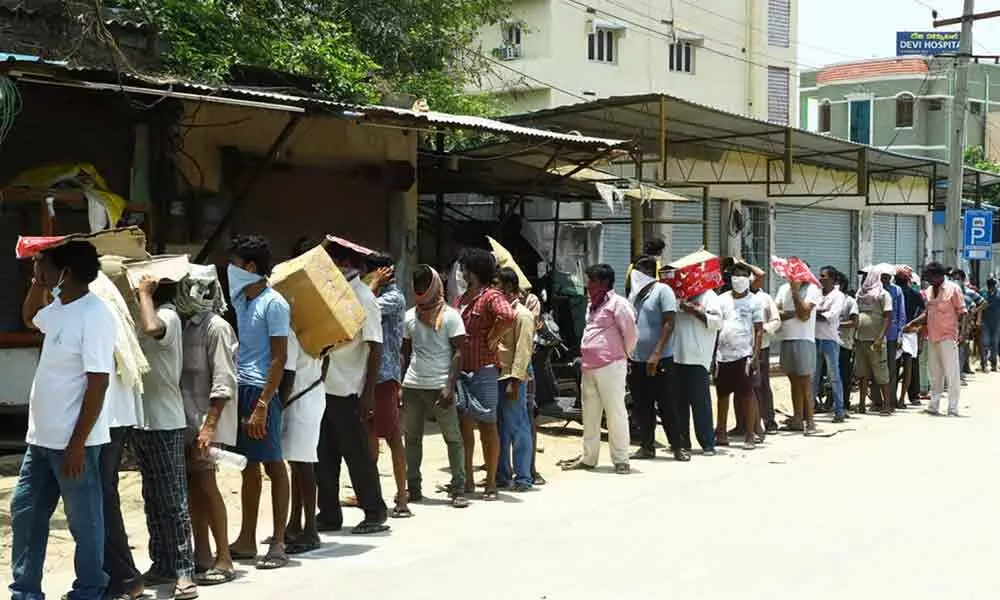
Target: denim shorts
481	401
263	450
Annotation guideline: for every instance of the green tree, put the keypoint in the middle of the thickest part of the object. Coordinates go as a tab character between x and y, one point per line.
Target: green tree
361	50
975	156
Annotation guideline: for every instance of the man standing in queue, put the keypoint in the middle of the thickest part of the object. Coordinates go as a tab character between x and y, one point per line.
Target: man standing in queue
655	307
263	320
66	424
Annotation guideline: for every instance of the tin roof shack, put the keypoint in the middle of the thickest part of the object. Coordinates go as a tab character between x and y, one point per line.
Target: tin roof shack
78	33
199	163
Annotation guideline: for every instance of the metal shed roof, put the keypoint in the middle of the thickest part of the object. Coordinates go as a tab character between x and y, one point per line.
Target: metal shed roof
694	129
292	101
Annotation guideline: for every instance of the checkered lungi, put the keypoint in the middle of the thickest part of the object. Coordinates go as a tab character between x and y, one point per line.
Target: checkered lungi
160	455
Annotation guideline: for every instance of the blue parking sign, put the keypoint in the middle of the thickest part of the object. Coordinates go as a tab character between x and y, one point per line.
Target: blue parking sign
977	236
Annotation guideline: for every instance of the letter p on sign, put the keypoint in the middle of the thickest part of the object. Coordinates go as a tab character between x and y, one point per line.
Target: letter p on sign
978	232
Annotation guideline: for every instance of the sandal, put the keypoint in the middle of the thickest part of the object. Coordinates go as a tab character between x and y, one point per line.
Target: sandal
349	502
795	428
301	547
274	559
401	512
152	579
214	576
369	527
188	592
460	502
538	479
490	496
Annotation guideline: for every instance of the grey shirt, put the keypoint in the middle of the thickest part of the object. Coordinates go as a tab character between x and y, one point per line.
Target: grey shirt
209	370
162	403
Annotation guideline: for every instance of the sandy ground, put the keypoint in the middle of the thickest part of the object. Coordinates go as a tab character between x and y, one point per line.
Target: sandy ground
556	443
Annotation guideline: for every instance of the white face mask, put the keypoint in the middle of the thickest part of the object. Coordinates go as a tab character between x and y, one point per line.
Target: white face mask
741	284
57	289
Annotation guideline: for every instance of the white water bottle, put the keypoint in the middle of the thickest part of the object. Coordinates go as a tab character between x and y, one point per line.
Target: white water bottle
225	457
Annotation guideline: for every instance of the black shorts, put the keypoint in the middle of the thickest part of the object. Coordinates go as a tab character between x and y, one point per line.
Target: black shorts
732	378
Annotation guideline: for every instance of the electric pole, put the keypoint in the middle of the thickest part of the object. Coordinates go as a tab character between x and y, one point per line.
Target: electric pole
953	205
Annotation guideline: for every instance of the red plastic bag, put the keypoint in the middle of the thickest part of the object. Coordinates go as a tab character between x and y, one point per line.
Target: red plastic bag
793	269
28	246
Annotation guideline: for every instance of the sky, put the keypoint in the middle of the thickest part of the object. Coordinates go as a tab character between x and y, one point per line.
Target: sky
833	31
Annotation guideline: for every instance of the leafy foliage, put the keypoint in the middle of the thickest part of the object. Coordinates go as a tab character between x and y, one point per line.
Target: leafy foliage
975	156
359	49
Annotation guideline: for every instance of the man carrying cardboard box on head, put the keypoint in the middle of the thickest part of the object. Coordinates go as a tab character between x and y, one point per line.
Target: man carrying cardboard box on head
159	441
350	400
263	320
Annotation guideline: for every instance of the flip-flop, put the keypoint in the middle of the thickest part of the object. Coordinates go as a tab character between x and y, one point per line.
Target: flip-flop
271	561
302	547
401	512
188	592
368	528
214	576
238	555
154	579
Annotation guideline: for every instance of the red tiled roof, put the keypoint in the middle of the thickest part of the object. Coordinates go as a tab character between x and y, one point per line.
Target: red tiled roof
872	69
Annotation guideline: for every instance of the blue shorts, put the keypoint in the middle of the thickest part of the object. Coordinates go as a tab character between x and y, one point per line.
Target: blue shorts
267	449
480	403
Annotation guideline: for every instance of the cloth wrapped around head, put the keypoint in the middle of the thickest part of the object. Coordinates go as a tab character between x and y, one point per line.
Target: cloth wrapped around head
430	302
200	292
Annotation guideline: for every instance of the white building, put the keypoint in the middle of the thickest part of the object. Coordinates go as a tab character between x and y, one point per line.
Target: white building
737	55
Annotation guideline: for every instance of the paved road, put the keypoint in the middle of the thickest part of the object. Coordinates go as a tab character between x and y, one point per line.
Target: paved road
900	507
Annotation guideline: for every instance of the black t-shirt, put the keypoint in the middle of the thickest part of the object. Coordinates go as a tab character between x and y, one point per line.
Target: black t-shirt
915	304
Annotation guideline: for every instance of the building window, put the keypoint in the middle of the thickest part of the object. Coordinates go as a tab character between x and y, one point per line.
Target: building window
681	57
779	23
824	117
934	104
601	45
511	47
904	111
975	108
778	95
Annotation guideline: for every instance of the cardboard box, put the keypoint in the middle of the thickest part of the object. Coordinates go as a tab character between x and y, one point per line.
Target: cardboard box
325	311
694	274
161	268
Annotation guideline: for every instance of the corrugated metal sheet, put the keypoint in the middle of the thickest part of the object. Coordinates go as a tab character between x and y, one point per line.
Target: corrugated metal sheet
777	95
779	23
616	240
821	237
685	239
897	239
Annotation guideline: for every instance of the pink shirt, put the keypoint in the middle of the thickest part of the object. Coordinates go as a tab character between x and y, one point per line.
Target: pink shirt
610	334
943	312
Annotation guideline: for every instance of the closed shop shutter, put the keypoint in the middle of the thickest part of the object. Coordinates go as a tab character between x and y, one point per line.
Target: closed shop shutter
884	239
616	240
686	239
819	236
909	241
897	239
777	95
779	23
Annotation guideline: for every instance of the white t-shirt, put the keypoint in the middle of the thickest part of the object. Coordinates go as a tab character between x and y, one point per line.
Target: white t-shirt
430	358
694	341
772	318
830	307
122	403
307	371
795	328
737	333
79	339
162	401
346	374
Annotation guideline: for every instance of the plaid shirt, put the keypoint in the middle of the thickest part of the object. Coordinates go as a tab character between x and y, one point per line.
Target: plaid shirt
393	306
485	318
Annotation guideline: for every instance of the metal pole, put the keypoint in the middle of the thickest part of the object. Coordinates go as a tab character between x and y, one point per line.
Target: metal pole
953	207
704	217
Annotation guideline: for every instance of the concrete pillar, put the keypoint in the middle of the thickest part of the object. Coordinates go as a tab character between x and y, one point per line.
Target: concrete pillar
664	210
928	250
866	239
